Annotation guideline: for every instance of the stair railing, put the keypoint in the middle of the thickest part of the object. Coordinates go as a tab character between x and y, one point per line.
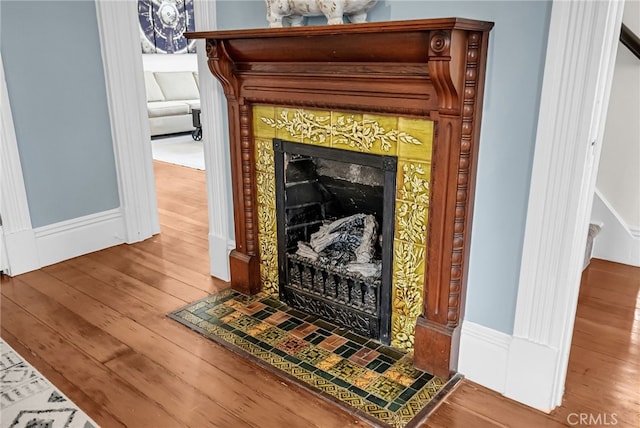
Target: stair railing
630	40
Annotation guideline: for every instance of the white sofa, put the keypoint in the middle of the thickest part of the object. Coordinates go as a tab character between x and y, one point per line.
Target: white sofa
171	97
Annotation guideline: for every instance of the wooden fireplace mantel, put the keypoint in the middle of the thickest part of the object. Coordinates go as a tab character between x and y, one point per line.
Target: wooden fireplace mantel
432	69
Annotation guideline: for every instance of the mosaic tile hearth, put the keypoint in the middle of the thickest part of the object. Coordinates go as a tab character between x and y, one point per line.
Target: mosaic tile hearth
375	382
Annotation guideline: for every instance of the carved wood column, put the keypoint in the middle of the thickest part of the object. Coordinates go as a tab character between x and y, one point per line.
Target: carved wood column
243	260
457	77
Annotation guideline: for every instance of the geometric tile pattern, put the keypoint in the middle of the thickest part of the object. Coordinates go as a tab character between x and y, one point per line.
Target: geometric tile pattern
378	381
30	400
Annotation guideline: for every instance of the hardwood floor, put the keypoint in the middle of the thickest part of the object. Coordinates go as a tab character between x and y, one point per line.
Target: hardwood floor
95	326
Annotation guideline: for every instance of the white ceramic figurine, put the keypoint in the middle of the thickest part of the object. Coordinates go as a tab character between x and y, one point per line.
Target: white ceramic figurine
296	10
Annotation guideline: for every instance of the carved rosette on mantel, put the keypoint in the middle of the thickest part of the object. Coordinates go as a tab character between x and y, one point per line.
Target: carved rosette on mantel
424	72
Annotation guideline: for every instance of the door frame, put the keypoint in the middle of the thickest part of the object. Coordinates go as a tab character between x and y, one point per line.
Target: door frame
119	39
581	52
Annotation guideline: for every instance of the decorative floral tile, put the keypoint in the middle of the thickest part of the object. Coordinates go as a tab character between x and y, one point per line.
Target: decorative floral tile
410	139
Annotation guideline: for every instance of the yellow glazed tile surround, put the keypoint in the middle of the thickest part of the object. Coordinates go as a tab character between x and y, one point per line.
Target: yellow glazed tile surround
408	139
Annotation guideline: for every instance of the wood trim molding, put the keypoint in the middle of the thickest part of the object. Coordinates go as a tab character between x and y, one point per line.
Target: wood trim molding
577	82
13	196
463	134
215	150
118	30
426	68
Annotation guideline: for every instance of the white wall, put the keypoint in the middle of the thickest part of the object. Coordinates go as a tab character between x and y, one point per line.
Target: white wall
617	202
165	62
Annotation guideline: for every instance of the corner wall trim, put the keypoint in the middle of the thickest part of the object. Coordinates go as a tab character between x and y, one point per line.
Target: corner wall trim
18	242
4	261
22	252
484	354
122	60
515	367
216	155
531	374
583	39
219	249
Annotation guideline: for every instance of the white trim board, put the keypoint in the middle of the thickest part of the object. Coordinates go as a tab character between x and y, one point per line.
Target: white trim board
4	262
32	249
215	152
126	98
18	239
582	45
498	360
22	252
617	241
484	353
72	238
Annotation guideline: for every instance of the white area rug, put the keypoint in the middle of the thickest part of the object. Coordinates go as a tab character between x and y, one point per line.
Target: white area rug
28	400
179	150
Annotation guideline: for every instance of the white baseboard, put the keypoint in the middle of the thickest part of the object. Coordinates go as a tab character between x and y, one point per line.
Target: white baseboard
516	368
483	356
82	235
530	374
32	249
617	241
4	262
219	249
22	252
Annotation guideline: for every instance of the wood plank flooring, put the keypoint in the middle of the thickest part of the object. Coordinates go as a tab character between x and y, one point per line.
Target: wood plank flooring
95	326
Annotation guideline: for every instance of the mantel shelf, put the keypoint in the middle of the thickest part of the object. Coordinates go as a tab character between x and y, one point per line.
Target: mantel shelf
363	28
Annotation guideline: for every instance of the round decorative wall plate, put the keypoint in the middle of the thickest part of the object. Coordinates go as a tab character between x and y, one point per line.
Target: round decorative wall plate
163	24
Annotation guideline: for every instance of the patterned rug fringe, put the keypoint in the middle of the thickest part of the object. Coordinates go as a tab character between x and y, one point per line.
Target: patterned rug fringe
28	399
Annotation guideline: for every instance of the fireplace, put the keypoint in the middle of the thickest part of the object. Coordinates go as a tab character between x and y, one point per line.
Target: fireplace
335	221
408	91
397	154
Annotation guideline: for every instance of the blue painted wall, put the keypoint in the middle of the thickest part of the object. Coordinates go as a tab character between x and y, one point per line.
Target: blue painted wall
55	78
57	93
511	103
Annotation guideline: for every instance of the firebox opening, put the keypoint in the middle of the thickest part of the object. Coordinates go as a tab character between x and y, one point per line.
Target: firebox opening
335	232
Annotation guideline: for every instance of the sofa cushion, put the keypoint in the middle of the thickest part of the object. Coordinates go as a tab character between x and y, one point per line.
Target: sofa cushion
167	108
177	85
154	93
